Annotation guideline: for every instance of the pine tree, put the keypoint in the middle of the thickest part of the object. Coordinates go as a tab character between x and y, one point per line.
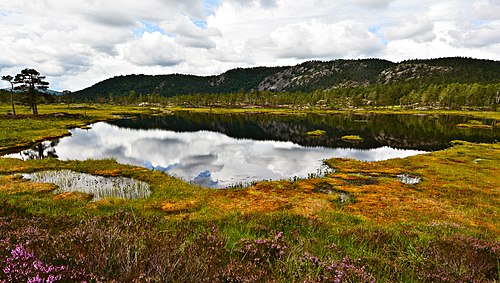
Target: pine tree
10	79
30	81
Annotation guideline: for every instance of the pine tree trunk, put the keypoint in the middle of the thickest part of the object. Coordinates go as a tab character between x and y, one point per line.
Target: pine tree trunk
33	104
12	103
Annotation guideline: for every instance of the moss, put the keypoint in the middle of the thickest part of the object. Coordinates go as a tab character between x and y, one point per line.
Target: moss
316	133
352	138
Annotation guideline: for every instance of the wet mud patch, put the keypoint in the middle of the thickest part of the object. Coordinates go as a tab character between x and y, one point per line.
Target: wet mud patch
344	197
361	181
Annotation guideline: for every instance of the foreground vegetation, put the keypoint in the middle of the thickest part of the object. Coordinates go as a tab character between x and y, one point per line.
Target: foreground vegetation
358	224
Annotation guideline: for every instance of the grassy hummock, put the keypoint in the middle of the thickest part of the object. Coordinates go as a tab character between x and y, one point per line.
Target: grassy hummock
474	124
352	138
316	133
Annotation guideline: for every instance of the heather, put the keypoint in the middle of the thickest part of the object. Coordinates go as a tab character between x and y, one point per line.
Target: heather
124	247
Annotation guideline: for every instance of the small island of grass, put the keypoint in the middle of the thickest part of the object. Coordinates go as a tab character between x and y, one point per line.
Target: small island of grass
475	124
352	138
316	133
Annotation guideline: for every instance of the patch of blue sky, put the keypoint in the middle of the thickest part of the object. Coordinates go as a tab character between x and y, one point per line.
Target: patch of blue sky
376	31
6	14
210	6
480	23
150	27
200	23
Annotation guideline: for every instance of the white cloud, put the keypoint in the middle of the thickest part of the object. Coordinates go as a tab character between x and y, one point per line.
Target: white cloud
477	36
318	40
80	42
486	10
410	27
376	4
153	49
188	34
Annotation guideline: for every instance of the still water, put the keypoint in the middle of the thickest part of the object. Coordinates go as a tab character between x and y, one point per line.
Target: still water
225	150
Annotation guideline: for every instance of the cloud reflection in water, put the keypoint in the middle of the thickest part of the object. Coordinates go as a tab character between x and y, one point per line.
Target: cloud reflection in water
207	158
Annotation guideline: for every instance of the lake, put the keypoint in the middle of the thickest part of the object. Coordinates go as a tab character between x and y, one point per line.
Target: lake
227	150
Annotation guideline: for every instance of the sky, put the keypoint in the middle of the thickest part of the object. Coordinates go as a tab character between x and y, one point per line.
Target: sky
78	43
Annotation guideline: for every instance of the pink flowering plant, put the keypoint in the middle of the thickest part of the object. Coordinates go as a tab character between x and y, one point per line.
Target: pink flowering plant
23	266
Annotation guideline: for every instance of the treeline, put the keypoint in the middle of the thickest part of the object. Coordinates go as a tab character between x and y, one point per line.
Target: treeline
451	96
407	95
22	98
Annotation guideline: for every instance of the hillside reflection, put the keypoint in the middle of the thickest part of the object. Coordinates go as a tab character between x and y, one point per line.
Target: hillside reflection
399	131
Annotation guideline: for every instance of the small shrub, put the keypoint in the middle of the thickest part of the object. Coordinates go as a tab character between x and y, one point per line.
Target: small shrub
460	259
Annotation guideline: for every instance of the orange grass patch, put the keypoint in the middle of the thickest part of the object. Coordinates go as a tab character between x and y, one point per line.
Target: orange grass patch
73	196
179	207
15	185
454	188
264	197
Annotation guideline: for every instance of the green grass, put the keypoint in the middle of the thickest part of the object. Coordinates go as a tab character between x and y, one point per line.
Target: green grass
495	115
54	121
400	233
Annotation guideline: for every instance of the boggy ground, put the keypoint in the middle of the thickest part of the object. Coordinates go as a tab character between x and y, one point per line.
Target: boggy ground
356	224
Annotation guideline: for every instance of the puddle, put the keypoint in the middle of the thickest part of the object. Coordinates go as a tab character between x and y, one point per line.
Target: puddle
408	180
100	187
326	188
362	181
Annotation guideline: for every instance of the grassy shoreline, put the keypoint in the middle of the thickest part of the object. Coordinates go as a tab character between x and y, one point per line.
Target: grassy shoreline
445	228
494	115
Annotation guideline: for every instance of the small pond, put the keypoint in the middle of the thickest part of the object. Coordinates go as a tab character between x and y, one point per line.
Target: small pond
226	150
98	186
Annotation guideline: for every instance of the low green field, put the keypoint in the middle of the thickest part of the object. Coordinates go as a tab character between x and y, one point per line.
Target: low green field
359	224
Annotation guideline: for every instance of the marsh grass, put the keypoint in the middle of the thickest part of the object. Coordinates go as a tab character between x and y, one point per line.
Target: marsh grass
475	124
443	229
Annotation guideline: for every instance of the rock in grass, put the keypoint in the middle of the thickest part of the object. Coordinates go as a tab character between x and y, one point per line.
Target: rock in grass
316	133
352	138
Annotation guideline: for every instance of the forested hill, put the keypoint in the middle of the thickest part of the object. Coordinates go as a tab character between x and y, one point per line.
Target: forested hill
306	77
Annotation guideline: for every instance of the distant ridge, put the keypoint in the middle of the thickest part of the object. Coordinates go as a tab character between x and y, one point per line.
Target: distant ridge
49	91
305	77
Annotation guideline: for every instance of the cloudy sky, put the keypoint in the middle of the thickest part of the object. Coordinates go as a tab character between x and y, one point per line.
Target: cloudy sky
77	43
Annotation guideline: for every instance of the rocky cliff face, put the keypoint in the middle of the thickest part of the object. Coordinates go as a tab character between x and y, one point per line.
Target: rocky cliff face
410	71
323	75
